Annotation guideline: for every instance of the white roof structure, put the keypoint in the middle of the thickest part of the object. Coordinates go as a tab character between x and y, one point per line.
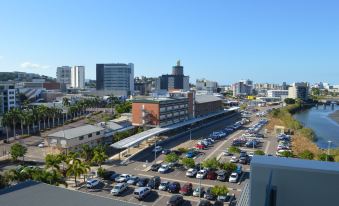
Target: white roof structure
137	138
76	132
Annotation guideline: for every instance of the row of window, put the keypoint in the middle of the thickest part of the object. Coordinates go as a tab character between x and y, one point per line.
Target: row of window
89	136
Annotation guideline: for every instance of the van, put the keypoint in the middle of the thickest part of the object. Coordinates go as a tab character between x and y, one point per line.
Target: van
141	192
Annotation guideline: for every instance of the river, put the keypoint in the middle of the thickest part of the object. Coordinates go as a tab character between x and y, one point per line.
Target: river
324	127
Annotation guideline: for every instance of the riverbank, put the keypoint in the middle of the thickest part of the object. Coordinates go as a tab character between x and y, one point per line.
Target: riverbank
335	116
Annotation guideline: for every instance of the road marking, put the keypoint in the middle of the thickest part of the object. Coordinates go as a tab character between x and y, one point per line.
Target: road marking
267	146
156	202
222	144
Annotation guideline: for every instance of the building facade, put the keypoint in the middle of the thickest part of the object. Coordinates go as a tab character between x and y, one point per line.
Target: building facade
299	90
176	80
115	78
207	104
159	111
73	139
78	77
206	85
7	97
242	88
282	94
63	75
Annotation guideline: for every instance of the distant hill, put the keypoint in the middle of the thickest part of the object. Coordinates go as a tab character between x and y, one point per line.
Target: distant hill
22	76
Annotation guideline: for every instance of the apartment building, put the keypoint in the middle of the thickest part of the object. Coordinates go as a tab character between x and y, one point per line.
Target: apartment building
7	97
207	86
299	90
78	77
63	75
282	94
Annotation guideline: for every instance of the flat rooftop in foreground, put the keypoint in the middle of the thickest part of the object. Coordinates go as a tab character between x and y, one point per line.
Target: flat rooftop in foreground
31	193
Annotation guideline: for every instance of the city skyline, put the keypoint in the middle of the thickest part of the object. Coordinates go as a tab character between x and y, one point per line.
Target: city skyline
262	41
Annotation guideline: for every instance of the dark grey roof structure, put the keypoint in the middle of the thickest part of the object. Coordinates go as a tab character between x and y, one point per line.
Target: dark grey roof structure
206	98
31	193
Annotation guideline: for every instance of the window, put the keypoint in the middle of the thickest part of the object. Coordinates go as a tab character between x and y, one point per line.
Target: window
81	137
97	133
89	135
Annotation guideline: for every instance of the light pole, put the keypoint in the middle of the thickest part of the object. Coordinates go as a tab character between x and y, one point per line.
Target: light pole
155	150
190	133
328	149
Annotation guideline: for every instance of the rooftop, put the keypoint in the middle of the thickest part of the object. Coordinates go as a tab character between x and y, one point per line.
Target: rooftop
77	132
157	99
206	98
32	193
296	164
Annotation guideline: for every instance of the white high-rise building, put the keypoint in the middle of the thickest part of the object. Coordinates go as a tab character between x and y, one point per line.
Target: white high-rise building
63	75
78	77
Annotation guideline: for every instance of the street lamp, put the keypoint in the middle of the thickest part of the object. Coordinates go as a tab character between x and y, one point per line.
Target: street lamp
190	133
328	149
155	150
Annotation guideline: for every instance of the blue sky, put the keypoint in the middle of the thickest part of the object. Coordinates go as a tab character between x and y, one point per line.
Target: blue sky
226	40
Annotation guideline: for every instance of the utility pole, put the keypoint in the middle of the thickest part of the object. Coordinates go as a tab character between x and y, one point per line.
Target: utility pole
328	149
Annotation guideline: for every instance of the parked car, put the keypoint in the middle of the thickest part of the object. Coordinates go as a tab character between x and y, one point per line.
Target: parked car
186	189
119	188
233	177
164	168
175	200
41	145
164	186
174	187
123	178
107	175
222	175
234	159
197	192
201	174
208	194
239	170
92	183
141	192
200	146
133	180
166	151
191	154
191	172
114	176
154	182
211	175
155	167
243	160
157	149
142	182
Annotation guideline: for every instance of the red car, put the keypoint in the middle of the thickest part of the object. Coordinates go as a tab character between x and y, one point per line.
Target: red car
200	146
186	189
211	175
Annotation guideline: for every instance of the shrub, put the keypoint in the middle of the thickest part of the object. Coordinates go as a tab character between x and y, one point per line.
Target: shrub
233	149
259	152
306	155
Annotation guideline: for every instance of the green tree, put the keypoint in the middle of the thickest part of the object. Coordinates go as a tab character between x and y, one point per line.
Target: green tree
15	116
286	154
259	152
86	153
76	168
3	182
234	150
218	190
326	157
99	155
315	91
183	150
188	162
228	166
170	158
306	155
289	101
211	163
18	150
53	161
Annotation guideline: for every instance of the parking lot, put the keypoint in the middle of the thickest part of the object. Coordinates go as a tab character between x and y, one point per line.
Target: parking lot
140	165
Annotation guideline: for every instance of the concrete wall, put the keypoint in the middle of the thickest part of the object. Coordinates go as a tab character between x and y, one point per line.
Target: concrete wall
153	110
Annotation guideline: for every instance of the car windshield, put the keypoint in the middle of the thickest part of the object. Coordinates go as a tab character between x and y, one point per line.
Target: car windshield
117	187
234	175
164	183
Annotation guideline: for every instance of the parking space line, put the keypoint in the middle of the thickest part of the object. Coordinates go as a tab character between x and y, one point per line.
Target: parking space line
267	146
158	200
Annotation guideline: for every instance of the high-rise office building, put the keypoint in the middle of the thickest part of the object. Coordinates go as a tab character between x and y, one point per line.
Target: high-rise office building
242	88
7	97
63	75
78	77
207	86
175	81
115	78
298	90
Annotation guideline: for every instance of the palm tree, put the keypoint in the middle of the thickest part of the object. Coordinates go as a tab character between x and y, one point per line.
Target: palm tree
6	121
76	168
28	119
86	152
14	116
53	162
42	111
113	100
66	102
99	156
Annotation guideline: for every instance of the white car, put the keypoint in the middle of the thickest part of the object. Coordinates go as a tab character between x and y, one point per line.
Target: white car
92	183
201	174
157	149
119	188
233	177
164	186
123	178
234	159
41	145
163	168
191	172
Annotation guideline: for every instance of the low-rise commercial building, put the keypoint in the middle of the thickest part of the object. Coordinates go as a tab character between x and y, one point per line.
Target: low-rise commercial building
207	104
159	111
207	86
73	139
282	94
